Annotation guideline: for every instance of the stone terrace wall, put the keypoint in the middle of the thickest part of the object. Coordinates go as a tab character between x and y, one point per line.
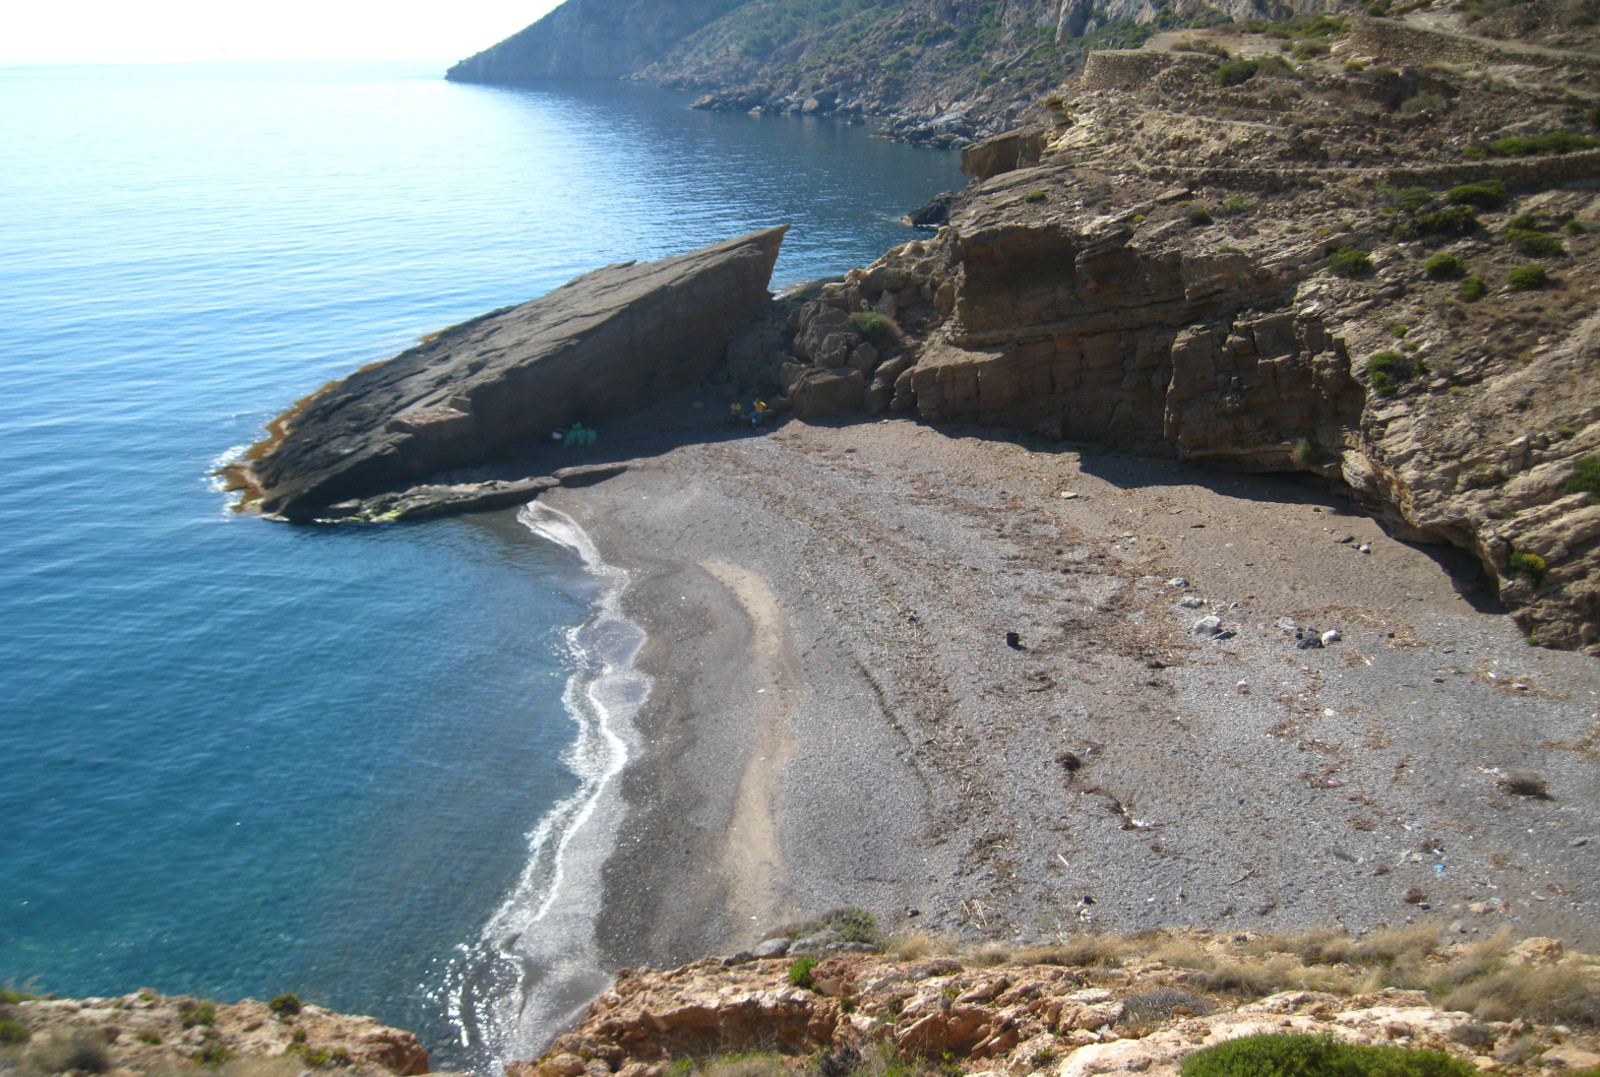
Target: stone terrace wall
1398	42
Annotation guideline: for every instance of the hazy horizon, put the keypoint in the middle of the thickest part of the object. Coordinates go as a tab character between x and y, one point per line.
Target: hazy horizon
181	31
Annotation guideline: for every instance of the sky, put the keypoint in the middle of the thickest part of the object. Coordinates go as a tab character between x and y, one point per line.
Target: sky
158	31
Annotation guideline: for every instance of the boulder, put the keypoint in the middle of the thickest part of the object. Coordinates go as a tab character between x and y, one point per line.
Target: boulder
594	350
819	392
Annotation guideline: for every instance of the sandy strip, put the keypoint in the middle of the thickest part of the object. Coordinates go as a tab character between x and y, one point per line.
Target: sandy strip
1113	770
753	858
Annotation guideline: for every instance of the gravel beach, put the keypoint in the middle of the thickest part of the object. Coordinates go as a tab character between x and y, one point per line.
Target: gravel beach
956	679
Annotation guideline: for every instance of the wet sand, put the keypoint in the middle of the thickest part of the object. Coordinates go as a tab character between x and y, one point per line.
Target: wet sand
837	718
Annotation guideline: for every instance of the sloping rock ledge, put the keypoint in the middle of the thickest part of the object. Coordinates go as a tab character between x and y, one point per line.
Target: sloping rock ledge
599	347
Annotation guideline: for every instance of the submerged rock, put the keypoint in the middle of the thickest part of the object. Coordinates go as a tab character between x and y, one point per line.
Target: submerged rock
598	348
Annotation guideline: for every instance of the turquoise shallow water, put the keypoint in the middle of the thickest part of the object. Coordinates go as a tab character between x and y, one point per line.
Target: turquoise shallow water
241	758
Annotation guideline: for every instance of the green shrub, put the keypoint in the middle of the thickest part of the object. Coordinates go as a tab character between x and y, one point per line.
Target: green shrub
1422	102
1535	244
1450	221
1488	195
13	1031
1527	564
1472	289
1232	74
1541	145
1234	205
285	1005
1350	262
1524	278
850	923
1035	196
149	1038
1300	1055
1585	478
800	971
1410	199
1445	267
1304	454
1199	216
197	1013
214	1054
873	327
1387	369
1574	227
1524	220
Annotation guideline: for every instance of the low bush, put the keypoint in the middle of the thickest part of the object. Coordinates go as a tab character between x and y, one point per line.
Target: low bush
800	971
61	1050
1350	262
1549	994
1524	278
13	1031
1035	196
1585	478
1488	195
1527	564
1541	145
1199	216
1410	199
1422	102
1387	369
1445	267
197	1013
1300	1055
1236	72
1575	227
1524	220
286	1005
873	327
1472	289
1450	221
1535	244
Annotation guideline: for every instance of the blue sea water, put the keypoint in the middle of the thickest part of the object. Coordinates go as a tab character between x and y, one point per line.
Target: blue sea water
236	757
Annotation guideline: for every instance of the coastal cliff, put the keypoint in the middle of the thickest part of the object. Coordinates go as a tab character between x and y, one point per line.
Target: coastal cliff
939	72
1091	1005
1317	269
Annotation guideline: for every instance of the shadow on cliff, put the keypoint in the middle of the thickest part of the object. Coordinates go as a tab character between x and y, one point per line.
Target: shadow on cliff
1126	471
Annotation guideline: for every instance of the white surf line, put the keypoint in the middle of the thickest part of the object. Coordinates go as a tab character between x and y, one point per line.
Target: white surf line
537	958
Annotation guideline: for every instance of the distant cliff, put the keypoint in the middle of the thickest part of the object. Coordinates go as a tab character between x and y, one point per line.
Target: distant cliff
590	39
957	67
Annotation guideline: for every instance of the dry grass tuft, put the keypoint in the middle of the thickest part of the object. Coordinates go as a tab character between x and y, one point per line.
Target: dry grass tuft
1079	951
1550	994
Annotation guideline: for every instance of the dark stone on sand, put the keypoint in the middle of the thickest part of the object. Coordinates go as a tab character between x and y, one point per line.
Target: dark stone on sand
597	349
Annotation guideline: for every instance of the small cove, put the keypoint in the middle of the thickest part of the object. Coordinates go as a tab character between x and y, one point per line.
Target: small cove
246	758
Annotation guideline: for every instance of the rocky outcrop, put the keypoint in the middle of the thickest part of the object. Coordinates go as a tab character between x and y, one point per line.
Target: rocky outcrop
1064	1019
149	1033
1160	281
597	348
590	39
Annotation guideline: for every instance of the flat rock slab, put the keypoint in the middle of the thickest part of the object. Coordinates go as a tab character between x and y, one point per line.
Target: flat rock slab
595	350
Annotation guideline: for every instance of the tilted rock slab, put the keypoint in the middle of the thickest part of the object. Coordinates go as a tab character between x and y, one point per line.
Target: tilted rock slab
594	350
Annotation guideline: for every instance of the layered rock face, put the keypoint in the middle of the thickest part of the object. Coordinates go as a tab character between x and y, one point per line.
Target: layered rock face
589	39
1160	281
860	1011
146	1032
595	349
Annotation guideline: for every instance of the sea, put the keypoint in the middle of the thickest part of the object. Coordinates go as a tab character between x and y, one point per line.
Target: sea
238	757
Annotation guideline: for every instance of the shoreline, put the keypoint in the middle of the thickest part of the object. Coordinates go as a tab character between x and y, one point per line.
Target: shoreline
535	966
919	768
